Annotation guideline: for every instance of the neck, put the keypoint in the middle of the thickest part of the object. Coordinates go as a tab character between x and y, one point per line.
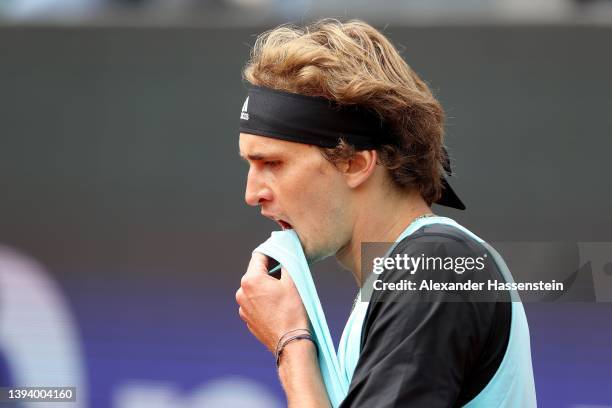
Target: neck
392	215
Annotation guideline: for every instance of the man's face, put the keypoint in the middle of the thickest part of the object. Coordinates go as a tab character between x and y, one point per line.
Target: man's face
296	187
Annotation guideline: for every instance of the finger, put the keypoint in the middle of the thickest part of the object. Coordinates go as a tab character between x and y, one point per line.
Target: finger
239	296
242	315
258	264
246	281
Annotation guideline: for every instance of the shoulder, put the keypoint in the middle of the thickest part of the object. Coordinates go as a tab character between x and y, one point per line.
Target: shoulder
440	252
445	278
436	237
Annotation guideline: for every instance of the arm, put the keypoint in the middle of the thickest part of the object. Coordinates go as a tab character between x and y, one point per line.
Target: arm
270	308
300	376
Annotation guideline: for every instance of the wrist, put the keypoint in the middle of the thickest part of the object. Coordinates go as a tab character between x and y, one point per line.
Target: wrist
288	337
298	351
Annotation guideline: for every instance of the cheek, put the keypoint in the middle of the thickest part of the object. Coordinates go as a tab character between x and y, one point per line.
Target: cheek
322	217
313	195
317	201
323	237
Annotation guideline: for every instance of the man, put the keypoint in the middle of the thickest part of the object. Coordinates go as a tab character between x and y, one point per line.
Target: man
345	146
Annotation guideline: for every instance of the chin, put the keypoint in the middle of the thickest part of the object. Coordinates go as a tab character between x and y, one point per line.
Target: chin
318	250
315	255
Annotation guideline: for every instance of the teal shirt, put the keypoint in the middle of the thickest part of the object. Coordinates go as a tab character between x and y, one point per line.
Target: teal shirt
512	385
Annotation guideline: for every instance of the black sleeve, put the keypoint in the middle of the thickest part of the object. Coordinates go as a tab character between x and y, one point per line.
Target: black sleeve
430	350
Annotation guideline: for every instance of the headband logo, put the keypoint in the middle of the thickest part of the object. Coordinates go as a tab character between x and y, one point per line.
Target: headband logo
244	114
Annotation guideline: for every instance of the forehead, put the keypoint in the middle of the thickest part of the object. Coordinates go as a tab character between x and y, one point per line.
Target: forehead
253	145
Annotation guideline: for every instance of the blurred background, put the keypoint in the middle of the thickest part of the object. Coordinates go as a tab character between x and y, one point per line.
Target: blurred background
123	229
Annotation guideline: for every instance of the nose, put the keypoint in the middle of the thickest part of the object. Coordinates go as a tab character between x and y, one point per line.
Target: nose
256	191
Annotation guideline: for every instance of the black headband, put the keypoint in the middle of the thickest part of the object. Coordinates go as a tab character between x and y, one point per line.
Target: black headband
311	120
321	122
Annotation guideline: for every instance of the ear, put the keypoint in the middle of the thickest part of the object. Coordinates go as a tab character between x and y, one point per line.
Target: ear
360	167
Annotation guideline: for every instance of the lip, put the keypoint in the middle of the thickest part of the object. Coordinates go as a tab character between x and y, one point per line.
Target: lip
281	222
284	225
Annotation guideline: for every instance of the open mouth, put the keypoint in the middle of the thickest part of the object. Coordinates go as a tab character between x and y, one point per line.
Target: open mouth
284	225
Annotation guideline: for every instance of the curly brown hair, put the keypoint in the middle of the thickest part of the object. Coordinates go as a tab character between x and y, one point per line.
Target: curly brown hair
352	63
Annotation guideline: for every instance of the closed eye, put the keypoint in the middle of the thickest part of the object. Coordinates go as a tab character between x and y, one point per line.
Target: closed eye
272	163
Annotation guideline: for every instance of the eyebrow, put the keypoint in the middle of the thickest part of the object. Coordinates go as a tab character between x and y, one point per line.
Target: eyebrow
253	156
